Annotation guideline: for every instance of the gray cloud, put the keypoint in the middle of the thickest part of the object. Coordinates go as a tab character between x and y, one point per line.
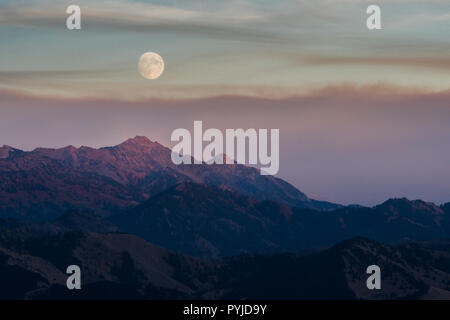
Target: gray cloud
145	18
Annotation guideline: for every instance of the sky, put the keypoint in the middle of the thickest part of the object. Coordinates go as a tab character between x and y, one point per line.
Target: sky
363	114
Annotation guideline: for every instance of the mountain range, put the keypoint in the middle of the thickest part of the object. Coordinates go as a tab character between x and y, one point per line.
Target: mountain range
142	227
43	183
124	266
208	221
208	211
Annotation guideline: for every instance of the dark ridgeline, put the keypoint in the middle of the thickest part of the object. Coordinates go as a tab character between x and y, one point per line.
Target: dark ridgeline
200	231
208	221
123	266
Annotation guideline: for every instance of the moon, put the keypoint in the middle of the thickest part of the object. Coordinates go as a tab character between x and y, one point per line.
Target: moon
151	65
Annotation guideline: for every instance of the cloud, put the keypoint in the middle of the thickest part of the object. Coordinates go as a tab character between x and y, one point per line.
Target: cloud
192	93
282	48
119	15
436	63
7	76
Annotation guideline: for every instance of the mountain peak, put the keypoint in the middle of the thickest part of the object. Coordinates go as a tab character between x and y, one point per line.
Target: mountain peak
5	147
395	201
406	203
355	241
140	143
70	148
138	140
5	151
403	207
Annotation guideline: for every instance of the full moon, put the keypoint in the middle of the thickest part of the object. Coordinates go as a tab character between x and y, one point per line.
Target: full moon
151	65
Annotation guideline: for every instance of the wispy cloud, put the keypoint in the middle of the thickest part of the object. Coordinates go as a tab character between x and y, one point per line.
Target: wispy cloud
124	92
220	47
7	76
227	21
437	63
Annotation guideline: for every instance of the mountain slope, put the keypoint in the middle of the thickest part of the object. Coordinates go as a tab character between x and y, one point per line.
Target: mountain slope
209	221
397	220
121	266
340	273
